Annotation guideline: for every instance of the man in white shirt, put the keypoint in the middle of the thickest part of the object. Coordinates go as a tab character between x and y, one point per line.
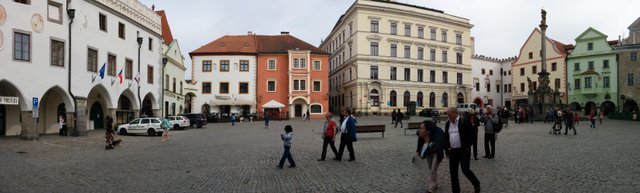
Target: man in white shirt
458	138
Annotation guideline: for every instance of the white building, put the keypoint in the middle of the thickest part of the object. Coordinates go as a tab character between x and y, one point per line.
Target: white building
173	97
491	81
36	42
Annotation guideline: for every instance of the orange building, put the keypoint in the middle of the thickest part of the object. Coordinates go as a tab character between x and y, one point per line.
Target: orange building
292	77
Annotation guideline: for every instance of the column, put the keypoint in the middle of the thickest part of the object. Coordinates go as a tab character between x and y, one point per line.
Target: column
27	126
81	115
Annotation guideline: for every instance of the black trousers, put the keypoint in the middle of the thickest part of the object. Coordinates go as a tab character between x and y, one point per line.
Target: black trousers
398	121
328	141
474	146
460	157
489	144
345	140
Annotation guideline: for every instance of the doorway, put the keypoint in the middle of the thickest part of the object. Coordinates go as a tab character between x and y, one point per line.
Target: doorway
96	115
298	110
3	121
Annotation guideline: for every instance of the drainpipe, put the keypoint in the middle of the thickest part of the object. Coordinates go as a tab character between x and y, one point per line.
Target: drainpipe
164	63
139	39
72	13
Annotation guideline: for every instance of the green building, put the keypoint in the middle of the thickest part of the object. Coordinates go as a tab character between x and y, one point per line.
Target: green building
592	73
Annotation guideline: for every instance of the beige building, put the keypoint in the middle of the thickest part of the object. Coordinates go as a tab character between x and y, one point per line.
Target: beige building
386	54
528	65
629	69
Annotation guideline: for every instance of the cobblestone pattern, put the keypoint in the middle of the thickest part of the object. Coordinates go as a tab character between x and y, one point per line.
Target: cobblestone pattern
221	158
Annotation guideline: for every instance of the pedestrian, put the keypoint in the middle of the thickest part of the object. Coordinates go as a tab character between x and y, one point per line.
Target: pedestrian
308	115
165	129
430	144
233	119
577	118
505	117
328	136
109	134
600	117
399	117
393	116
348	136
490	121
456	144
63	126
592	119
475	123
286	138
530	115
569	122
266	120
353	116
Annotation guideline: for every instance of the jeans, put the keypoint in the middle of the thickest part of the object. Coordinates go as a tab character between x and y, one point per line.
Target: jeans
460	157
345	140
287	155
489	144
398	121
328	141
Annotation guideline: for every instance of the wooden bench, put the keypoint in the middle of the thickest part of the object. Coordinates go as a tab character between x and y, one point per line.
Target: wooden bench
410	126
370	129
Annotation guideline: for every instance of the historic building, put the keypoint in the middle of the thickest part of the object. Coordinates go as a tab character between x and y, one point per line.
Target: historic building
592	71
385	55
528	64
173	71
491	81
629	69
113	71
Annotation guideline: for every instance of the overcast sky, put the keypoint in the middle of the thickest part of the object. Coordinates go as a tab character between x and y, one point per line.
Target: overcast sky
500	26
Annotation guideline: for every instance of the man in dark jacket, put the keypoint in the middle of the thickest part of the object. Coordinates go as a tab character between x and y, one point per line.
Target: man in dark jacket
457	143
430	142
399	117
475	123
348	130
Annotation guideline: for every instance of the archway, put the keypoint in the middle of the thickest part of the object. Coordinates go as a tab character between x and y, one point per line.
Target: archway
575	106
97	116
148	105
607	107
630	105
432	99
406	98
420	99
478	101
460	98
299	106
374	97
445	100
10	115
54	103
99	103
588	107
393	98
124	113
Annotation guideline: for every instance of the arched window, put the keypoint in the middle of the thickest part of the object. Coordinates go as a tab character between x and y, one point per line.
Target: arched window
445	100
392	98
407	98
432	99
419	100
374	98
460	98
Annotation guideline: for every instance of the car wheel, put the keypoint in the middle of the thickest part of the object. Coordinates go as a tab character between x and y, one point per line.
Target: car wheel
122	131
199	125
176	126
151	132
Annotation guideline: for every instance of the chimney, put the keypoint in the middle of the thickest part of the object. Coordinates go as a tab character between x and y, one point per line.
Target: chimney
284	33
249	33
153	7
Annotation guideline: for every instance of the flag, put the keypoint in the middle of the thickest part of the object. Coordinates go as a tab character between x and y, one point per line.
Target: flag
120	75
102	70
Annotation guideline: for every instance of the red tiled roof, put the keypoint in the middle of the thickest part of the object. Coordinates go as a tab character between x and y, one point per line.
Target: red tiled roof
256	44
560	46
242	44
167	36
281	44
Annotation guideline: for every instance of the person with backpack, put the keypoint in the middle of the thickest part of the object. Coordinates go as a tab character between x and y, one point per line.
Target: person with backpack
491	124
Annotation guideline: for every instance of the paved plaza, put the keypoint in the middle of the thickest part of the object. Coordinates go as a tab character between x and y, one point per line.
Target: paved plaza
222	158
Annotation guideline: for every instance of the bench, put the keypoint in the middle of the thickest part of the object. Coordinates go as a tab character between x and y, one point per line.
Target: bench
370	129
410	126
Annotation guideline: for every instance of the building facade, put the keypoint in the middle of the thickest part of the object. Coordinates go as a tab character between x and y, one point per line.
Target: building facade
116	56
629	69
173	71
491	81
528	65
385	55
592	71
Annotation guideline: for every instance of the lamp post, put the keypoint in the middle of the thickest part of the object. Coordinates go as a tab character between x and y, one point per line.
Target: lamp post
164	63
139	40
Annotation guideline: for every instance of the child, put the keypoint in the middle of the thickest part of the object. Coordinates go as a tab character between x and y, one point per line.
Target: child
165	129
286	137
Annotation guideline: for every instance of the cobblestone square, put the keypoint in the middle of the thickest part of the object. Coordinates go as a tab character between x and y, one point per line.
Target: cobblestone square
222	158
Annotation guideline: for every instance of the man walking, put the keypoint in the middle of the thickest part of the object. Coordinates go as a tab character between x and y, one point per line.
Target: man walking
457	147
348	136
393	116
399	117
490	121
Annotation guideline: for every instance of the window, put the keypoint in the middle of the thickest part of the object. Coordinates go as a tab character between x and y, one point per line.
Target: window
630	79
393	73
394	50
206	66
22	46
243	88
407	74
509	72
530	55
420	53
420	32
432	99
576	84
477	87
433	34
488	87
557	83
432	55
224	88
28	2
634	56
534	69
445	77
299	85
554	66
483	71
150	74
606	82
506	87
92	60
299	63
373	50
535	85
206	88
174	85
444	56
166	82
444	36
111	62
521	87
374	26
57	53
244	65
420	75
316	65
407	30
121	30
181	88
373	72
150	44
224	65
316	86
271	86
315	109
406	98
432	76
459	78
509	87
587	82
55	12
128	71
394	29
576	67
393	98
102	19
271	65
445	100
605	64
590	46
459	39
521	71
498	88
407	51
351	27
591	65
491	72
458	58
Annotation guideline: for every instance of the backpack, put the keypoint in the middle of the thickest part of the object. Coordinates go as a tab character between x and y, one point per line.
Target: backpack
498	127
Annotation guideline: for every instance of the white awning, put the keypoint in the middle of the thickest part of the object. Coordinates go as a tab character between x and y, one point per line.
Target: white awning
273	104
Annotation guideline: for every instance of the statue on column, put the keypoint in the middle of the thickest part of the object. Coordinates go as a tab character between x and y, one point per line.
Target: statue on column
544	17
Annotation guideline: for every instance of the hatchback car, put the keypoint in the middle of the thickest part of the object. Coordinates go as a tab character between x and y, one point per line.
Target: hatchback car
196	119
149	126
179	122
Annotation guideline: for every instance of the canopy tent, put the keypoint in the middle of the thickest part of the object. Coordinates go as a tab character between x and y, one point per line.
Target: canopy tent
273	105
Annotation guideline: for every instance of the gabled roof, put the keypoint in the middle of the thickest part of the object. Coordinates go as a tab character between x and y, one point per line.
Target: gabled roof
558	47
590	29
167	36
256	44
635	26
281	44
229	44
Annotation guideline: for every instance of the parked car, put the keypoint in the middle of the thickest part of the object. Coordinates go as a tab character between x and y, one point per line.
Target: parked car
149	126
464	107
197	119
179	122
428	112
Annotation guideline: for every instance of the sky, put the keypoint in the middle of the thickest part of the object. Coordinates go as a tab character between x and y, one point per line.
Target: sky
500	26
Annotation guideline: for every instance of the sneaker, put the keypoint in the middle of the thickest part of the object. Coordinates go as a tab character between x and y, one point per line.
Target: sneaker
279	166
292	166
320	160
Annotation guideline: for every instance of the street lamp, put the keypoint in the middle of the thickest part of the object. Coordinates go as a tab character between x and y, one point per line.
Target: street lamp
139	40
164	63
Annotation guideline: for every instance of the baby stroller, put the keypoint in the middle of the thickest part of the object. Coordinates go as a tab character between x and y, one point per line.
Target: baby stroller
557	126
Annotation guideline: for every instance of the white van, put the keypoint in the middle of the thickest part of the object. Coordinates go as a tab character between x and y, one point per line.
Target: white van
464	107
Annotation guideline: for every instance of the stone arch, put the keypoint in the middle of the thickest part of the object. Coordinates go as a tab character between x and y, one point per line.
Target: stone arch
432	99
189	100
445	99
460	98
478	101
149	104
575	106
630	105
10	123
420	99
132	98
393	98
607	107
589	106
374	96
7	88
98	103
48	109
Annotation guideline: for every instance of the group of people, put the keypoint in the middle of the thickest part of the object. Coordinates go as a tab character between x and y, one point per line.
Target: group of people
523	115
396	117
